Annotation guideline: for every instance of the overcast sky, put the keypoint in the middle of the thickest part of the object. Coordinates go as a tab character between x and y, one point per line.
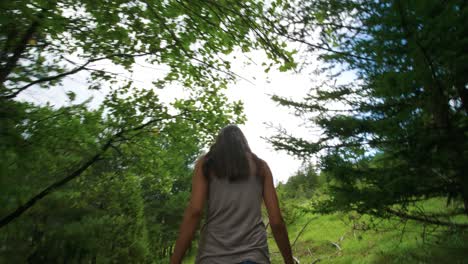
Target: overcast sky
262	112
253	89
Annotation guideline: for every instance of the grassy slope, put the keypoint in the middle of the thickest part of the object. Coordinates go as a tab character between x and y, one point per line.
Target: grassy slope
386	244
391	241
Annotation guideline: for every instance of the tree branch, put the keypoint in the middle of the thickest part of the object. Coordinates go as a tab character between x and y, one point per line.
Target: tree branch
51	188
88	163
316	46
21	47
425	219
73	71
45	79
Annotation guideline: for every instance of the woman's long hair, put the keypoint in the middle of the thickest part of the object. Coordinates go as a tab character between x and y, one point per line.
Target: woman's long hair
228	156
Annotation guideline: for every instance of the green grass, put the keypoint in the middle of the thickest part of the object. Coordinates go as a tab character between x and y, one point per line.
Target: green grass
362	239
389	241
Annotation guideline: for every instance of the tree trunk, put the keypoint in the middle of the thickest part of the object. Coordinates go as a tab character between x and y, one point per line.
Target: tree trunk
464	193
463	93
20	48
12	62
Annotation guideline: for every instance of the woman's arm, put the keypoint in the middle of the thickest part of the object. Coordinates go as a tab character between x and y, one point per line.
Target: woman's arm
277	224
193	213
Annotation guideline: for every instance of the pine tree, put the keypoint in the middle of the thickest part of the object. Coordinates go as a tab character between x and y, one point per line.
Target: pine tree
396	133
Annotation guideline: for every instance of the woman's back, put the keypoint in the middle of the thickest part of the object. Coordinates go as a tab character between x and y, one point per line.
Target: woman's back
232	181
234	230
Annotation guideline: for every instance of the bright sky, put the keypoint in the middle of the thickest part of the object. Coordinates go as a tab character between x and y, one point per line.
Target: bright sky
253	89
262	112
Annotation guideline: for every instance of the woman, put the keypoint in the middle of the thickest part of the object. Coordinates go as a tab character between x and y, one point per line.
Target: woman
233	180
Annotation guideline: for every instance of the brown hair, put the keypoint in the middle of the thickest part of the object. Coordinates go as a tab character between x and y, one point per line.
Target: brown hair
228	156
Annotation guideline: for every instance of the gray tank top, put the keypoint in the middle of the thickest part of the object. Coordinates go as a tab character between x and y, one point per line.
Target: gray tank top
233	230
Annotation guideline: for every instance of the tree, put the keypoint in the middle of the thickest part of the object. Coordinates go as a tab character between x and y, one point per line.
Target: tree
44	42
302	184
395	134
114	198
87	184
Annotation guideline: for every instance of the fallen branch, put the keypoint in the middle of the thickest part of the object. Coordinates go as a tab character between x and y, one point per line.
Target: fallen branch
336	245
302	230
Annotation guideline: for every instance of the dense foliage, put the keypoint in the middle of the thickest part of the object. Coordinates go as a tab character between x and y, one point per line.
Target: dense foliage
104	183
81	183
396	133
44	41
303	184
127	205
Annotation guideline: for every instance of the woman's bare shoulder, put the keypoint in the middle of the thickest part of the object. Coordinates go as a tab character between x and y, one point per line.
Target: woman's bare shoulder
261	164
202	157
